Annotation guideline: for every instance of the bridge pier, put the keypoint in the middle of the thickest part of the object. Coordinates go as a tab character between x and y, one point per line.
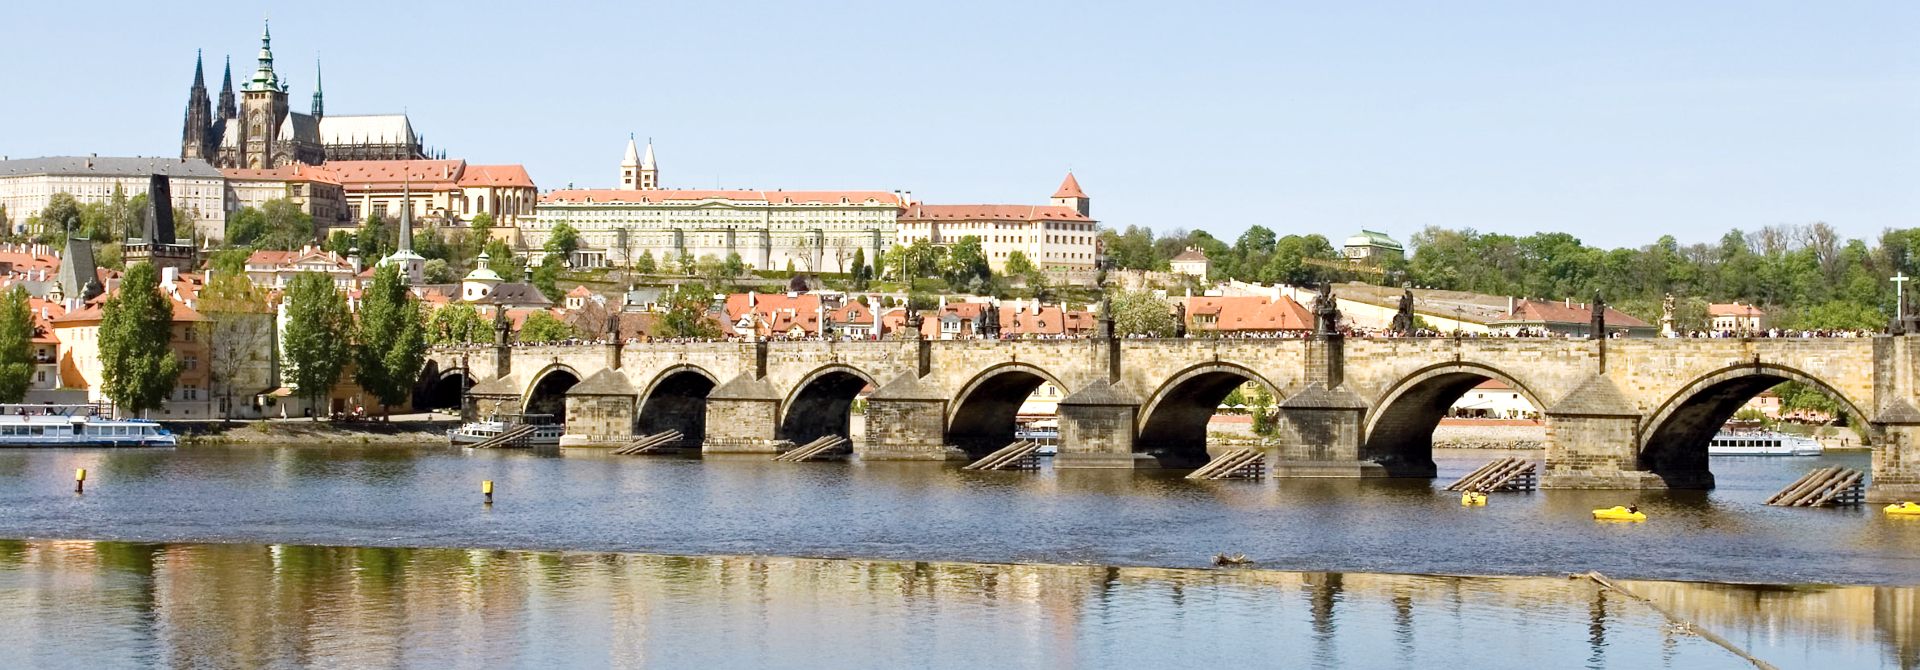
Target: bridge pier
1320	434
1593	442
743	417
600	411
1896	464
905	422
1097	429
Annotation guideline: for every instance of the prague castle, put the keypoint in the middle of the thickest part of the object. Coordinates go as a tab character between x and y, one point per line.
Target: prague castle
259	131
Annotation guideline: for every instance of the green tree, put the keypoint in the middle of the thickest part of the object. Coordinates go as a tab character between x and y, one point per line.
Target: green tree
860	274
136	327
564	240
61	216
645	263
16	345
390	343
239	334
733	266
686	315
288	227
504	262
317	342
965	267
341	242
438	272
456	324
546	276
1018	265
1142	313
542	327
375	238
246	226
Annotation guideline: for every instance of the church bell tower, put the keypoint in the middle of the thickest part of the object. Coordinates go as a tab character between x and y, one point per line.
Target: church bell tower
263	106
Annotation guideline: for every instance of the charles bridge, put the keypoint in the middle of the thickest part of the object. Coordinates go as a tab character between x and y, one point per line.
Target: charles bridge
1619	413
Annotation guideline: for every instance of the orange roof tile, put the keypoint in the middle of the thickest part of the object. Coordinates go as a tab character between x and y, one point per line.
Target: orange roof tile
659	196
285	173
1248	313
921	212
496	175
422	175
1070	188
1547	311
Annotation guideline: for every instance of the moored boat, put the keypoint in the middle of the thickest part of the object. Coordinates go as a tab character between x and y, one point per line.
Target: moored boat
546	429
1762	443
76	426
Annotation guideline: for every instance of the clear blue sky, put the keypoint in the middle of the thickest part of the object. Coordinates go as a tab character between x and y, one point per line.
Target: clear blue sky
1615	121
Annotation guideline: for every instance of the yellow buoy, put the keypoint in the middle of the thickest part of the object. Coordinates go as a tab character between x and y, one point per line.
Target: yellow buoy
1473	498
1618	513
1908	508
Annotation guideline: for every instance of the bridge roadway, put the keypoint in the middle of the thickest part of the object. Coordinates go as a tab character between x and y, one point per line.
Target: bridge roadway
1623	413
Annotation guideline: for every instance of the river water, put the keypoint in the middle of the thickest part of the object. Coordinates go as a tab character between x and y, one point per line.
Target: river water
104	604
947	599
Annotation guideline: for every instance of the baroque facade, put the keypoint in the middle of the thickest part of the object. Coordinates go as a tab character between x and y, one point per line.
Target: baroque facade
258	130
815	231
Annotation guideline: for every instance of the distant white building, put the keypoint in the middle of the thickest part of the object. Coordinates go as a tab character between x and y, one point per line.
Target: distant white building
26	186
1373	248
1192	262
1494	399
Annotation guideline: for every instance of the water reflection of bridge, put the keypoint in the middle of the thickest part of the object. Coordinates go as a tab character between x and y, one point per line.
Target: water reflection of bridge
252	606
1631	413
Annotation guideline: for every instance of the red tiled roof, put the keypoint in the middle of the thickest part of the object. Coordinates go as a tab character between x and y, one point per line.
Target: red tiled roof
1070	188
284	173
920	212
1248	313
1191	254
422	175
580	291
496	175
1547	311
680	195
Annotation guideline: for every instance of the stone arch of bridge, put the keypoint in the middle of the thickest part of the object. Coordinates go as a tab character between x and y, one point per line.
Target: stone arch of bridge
441	388
676	399
1399	428
822	402
982	416
1674	438
547	394
1173	423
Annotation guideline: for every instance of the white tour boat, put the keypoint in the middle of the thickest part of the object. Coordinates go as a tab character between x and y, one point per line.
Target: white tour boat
546	432
1762	443
76	426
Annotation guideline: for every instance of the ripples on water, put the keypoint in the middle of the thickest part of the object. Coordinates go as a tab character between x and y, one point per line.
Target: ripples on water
594	501
105	604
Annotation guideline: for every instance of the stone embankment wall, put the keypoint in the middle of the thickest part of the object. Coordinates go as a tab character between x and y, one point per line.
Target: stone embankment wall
1490	435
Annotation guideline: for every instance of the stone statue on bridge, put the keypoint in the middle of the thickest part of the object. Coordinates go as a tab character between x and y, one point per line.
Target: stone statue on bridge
1326	312
502	328
1403	318
1180	319
1598	329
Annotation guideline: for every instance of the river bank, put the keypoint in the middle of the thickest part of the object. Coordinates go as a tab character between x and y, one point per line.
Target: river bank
411	431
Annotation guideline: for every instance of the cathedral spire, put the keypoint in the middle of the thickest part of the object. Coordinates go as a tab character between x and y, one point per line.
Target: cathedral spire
198	125
263	78
317	107
228	109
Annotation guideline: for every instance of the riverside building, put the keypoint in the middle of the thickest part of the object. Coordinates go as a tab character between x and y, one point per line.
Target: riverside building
815	231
